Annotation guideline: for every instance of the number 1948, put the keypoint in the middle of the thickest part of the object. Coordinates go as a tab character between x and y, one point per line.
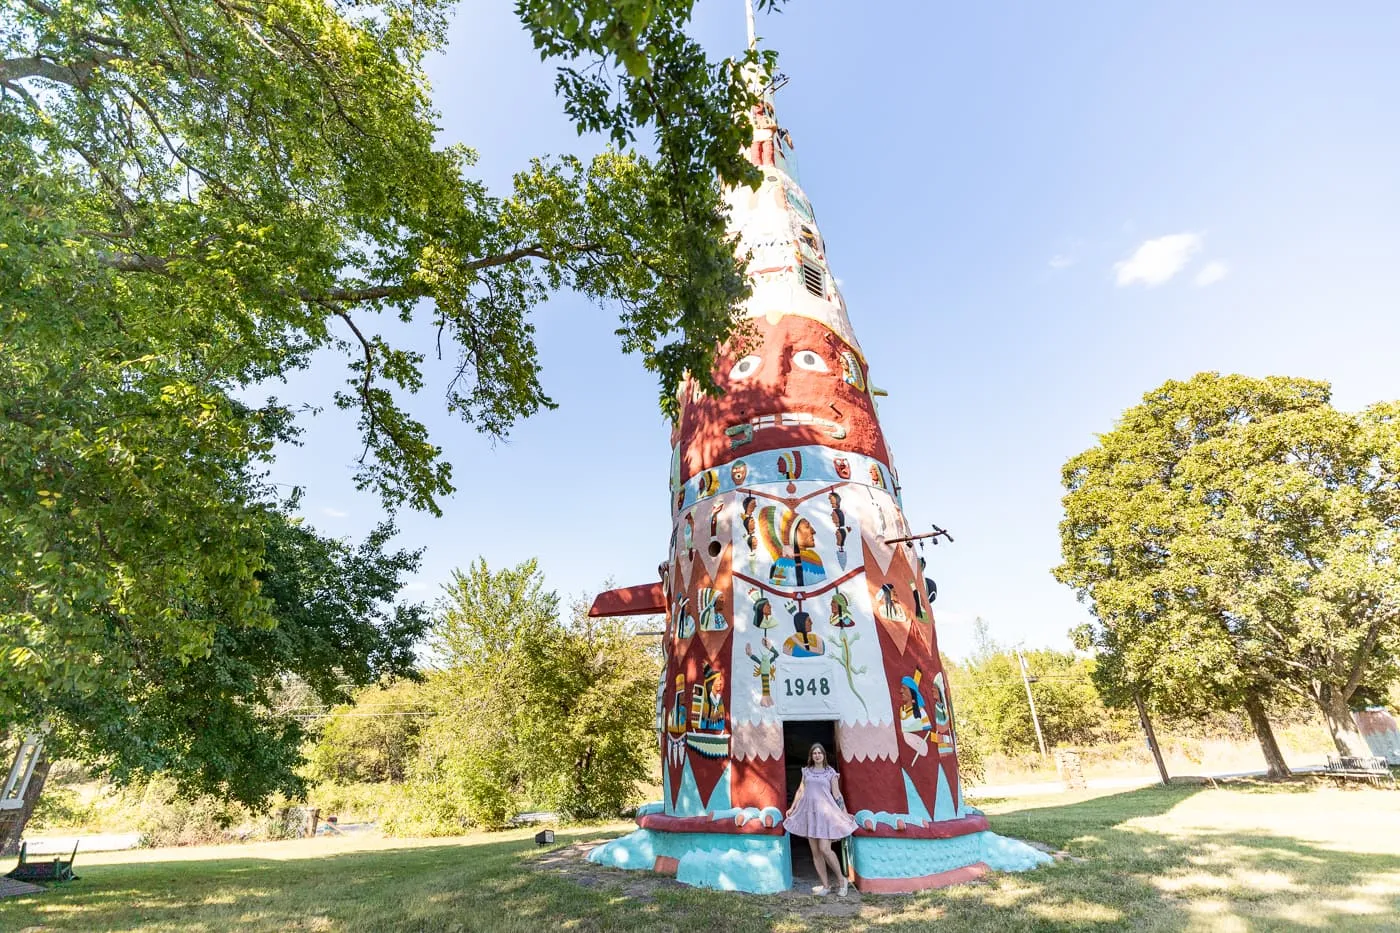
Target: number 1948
812	685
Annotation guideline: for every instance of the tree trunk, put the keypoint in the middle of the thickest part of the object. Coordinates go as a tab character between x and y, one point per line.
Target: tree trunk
12	822
1340	723
1259	718
1151	734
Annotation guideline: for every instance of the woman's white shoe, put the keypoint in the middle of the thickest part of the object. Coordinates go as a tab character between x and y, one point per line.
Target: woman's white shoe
844	885
820	890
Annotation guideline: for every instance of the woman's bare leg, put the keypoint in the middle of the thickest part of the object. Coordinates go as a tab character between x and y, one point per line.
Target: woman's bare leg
818	860
831	859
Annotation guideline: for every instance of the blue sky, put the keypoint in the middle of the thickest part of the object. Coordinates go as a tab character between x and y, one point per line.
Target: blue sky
1038	212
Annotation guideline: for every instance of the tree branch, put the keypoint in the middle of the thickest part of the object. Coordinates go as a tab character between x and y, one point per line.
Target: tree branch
1363	654
17	69
137	262
370	412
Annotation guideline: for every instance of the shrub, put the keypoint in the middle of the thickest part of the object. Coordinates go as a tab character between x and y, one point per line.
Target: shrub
375	739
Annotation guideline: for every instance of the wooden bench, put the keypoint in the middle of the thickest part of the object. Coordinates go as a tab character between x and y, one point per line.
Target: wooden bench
1372	770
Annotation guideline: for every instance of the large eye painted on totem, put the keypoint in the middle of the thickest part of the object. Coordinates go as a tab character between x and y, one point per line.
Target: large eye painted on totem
745	367
808	359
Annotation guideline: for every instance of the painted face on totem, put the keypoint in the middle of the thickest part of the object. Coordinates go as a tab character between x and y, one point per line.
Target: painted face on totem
804	535
783	388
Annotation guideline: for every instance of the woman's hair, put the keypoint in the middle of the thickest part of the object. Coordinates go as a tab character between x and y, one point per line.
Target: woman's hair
826	756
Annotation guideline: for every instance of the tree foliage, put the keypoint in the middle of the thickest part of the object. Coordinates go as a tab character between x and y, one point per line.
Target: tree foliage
200	198
533	710
213	723
1236	536
372	739
993	713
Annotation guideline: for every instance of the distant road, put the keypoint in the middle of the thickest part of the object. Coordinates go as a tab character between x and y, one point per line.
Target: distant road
87	842
1055	787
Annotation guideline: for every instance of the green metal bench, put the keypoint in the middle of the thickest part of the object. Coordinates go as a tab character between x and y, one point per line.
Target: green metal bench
55	870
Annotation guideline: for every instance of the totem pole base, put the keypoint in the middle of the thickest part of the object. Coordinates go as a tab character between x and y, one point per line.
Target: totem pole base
900	866
755	864
762	864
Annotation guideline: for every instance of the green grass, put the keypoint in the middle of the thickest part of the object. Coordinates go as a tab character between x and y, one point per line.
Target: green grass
1242	857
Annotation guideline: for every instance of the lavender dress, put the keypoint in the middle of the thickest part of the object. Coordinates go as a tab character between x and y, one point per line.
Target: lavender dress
817	815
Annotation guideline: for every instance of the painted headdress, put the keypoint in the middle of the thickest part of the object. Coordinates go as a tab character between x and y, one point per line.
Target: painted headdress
775	525
761	602
913	684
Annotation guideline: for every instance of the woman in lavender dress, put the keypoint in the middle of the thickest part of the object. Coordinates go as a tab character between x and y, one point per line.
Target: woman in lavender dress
819	813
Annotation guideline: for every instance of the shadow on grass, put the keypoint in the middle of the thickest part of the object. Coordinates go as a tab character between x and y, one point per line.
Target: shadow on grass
1135	875
1148	877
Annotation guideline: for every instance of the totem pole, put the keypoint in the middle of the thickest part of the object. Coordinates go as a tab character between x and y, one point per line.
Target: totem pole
788	598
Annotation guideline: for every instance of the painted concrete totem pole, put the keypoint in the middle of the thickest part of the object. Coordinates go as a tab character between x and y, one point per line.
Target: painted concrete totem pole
787	606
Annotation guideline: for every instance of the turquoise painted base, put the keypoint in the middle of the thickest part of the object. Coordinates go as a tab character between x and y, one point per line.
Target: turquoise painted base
726	862
763	864
880	857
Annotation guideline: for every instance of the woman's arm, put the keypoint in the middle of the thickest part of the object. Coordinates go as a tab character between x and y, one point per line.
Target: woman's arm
796	798
836	792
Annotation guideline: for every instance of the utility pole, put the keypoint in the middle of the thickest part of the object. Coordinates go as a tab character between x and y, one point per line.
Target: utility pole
1151	735
1030	698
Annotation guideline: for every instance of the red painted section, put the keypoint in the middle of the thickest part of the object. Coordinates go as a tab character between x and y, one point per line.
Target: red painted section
666	865
703	824
924	882
873	785
908	645
777	385
757	783
644	600
943	830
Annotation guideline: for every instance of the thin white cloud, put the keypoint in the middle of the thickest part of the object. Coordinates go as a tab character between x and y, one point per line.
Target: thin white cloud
1061	261
1157	261
1211	272
334	513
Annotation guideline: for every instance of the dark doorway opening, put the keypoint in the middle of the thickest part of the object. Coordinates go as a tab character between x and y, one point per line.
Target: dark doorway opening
798	738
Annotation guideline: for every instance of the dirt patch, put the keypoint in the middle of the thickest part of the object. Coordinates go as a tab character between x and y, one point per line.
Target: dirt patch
1058	855
572	862
9	887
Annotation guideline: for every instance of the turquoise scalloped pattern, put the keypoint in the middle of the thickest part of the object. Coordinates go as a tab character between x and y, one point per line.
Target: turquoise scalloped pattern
880	857
724	862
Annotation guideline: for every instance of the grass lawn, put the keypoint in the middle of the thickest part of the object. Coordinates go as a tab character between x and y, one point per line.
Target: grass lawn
1244	857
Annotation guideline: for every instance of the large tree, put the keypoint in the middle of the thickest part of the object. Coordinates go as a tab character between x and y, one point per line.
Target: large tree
214	723
201	197
534	708
1235	537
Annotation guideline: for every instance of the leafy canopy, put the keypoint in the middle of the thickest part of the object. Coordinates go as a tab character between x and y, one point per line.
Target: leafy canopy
535	710
200	198
1235	534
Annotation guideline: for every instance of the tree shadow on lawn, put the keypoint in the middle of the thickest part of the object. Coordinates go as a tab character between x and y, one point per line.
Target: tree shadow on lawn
1140	874
1135	875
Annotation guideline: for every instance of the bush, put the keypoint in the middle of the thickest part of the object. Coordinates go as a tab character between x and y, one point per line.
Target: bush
167	819
533	711
353	803
59	807
373	740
